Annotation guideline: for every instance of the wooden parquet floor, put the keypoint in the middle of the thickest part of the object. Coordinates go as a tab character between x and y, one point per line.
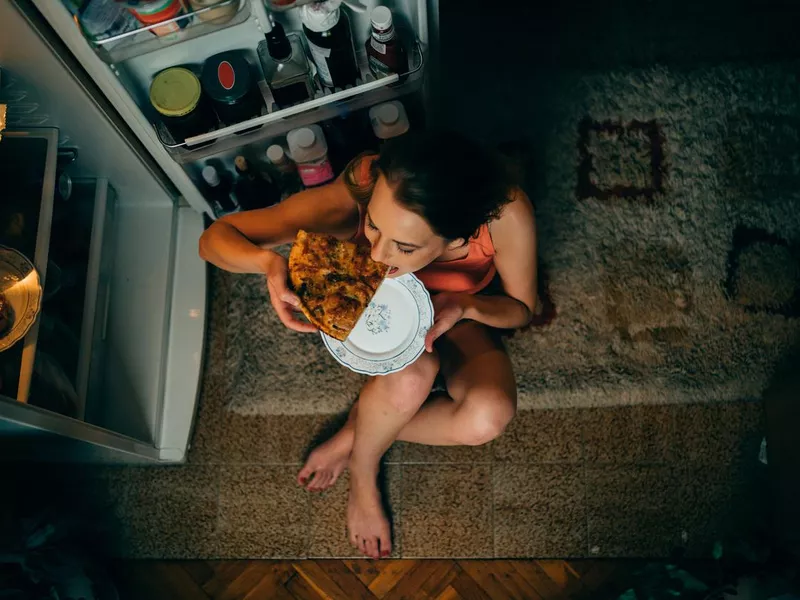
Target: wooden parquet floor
371	580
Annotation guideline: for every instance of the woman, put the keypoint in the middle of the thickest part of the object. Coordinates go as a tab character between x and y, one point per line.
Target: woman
439	206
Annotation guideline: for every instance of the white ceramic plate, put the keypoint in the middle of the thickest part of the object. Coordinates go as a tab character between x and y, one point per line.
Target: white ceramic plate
390	335
19	282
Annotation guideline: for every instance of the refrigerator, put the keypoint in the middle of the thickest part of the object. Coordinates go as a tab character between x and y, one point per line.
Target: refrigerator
113	206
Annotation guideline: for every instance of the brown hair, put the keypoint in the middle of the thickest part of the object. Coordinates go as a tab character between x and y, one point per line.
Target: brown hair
455	184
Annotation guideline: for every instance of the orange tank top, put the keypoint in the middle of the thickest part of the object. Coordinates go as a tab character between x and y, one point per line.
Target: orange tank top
469	274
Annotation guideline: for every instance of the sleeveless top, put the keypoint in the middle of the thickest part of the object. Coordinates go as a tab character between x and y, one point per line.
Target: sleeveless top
469	274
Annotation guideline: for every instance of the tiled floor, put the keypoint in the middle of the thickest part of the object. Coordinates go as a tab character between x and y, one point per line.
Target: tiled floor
631	481
626	481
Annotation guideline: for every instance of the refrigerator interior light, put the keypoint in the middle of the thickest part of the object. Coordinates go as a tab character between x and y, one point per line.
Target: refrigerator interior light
2	119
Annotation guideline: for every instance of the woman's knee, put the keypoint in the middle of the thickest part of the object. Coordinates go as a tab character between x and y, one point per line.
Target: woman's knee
406	390
484	416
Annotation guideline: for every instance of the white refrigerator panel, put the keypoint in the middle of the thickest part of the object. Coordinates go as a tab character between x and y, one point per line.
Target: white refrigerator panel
153	316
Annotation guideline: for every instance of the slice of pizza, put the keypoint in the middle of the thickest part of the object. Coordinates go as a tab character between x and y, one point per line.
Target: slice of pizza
334	280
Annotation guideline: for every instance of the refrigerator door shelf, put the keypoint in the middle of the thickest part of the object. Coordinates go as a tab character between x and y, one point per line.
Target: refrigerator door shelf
96	297
128	45
34	144
324	106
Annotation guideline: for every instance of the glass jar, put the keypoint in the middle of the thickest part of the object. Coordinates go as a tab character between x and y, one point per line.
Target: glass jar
176	95
228	82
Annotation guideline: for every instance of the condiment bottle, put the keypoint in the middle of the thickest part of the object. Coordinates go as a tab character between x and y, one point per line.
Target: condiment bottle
385	52
285	67
309	150
327	31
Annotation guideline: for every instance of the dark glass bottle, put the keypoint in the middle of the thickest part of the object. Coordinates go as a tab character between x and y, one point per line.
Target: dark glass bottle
251	189
218	191
331	44
286	67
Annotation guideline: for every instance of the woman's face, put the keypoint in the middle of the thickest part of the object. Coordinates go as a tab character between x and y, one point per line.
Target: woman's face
400	238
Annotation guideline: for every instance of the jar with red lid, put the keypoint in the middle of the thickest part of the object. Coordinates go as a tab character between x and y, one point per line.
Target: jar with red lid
228	82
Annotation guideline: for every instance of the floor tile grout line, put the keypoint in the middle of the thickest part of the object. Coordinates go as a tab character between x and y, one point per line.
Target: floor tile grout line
585	487
309	516
401	503
492	508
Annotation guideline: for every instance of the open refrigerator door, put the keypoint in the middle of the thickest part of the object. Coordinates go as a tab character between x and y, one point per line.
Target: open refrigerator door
204	82
105	363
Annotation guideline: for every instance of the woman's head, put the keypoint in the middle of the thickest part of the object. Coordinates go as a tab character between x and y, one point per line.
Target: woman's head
430	192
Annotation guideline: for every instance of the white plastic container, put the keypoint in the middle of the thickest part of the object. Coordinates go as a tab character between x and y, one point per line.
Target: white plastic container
389	120
308	148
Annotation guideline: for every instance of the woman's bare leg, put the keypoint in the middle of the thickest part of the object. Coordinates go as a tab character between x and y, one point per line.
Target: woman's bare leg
328	460
443	420
482	392
384	408
388	410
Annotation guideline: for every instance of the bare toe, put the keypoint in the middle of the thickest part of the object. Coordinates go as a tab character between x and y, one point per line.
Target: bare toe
385	545
317	484
305	473
325	482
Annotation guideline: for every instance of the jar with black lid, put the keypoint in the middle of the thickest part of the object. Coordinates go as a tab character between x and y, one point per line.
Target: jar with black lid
176	95
228	81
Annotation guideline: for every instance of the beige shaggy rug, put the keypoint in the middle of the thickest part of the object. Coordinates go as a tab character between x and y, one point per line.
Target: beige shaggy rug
669	215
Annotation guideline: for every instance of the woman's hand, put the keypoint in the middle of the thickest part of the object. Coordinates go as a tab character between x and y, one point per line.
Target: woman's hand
285	303
448	309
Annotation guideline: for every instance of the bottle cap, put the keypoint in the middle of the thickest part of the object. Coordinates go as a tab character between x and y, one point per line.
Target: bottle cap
387	114
278	44
275	154
305	138
226	77
210	176
321	16
389	120
381	18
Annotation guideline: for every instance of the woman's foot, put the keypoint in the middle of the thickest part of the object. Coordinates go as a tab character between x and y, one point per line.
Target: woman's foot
367	525
327	461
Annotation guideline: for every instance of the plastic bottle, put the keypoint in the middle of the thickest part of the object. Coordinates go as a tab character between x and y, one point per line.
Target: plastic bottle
308	148
388	120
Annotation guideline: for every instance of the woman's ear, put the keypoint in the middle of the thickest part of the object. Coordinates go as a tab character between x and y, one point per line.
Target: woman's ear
456	243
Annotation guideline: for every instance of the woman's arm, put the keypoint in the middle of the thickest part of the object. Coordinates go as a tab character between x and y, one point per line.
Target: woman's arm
514	239
240	242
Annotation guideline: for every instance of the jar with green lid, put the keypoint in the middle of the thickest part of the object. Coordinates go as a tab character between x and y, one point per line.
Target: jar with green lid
176	95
